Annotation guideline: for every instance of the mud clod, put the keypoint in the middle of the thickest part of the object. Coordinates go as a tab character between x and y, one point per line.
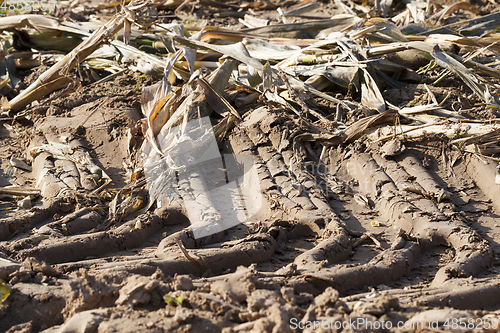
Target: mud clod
392	148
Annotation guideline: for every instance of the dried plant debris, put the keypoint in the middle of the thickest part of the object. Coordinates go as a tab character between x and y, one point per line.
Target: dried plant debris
250	166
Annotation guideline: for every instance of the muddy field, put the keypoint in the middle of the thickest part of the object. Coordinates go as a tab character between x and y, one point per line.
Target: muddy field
370	198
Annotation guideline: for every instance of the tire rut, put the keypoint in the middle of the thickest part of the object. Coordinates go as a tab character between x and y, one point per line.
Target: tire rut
364	221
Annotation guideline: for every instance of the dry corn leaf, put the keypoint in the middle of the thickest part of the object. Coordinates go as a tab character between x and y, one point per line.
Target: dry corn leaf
457	6
236	51
386	28
216	100
469	78
306	29
476	26
195	104
38	22
371	96
267	78
352	132
153	100
262	50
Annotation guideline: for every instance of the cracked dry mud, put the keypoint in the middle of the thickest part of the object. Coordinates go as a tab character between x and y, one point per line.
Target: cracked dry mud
406	232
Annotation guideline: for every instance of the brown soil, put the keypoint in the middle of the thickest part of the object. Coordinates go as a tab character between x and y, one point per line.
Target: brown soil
355	232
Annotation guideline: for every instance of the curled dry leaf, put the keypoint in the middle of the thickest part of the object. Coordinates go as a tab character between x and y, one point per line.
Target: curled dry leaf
471	80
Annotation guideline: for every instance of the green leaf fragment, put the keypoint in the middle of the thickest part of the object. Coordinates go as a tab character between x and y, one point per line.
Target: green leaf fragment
176	301
4	291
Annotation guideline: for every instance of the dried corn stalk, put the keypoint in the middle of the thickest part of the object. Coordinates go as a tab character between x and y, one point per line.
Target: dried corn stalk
58	75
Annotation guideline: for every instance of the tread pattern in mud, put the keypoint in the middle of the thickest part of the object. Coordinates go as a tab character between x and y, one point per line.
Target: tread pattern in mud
335	224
